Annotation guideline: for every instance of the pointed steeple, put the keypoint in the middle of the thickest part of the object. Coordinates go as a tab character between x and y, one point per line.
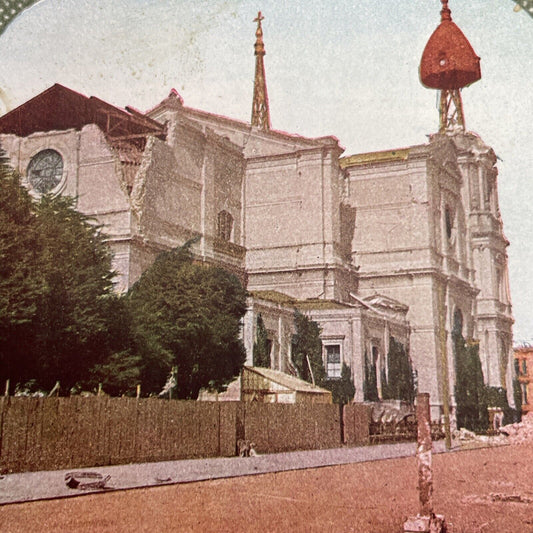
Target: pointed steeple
260	110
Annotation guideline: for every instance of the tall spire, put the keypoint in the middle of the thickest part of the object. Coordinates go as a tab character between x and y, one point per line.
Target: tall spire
260	110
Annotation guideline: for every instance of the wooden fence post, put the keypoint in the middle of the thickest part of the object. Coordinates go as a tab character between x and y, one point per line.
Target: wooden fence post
426	521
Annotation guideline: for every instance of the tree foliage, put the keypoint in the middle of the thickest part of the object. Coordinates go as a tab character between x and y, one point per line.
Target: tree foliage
342	389
399	383
262	345
188	316
20	286
55	288
470	390
120	371
60	321
307	346
76	307
497	397
370	383
516	416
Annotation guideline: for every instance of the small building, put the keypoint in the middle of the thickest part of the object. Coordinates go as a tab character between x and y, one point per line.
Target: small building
523	361
272	386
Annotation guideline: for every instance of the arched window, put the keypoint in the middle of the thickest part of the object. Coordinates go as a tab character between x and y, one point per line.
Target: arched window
457	322
448	217
224	226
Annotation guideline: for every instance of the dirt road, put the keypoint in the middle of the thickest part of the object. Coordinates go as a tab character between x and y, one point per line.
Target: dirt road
486	490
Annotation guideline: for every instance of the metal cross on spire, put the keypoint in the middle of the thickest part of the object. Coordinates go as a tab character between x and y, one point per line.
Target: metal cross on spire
260	109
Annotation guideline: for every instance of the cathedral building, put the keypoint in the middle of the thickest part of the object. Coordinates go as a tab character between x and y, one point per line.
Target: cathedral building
404	246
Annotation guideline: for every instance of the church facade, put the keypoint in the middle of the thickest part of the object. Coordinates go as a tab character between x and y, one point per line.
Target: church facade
399	246
429	233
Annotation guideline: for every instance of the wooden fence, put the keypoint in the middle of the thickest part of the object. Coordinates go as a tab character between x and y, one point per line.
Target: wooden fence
282	427
75	432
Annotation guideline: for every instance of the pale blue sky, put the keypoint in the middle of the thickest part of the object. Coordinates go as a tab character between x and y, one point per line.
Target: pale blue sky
347	68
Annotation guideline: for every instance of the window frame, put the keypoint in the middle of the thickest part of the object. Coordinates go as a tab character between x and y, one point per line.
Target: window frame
333	369
225	223
34	160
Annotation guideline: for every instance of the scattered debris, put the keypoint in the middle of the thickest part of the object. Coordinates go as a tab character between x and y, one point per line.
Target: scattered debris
515	498
392	421
163	480
74	480
29	389
521	432
391	411
493	497
422	524
465	436
246	448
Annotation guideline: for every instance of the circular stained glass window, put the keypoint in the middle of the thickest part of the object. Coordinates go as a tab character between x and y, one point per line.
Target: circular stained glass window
45	171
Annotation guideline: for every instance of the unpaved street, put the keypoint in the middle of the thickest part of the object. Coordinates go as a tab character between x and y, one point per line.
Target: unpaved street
486	490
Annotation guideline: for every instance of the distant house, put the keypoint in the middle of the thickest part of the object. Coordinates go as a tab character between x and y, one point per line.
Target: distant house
523	361
264	385
272	386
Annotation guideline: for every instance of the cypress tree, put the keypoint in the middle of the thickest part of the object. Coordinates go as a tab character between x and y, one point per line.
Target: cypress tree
262	345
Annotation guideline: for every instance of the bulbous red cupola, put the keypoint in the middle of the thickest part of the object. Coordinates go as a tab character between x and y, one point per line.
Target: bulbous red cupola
448	61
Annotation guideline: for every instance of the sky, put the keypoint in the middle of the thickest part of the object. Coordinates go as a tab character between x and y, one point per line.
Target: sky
348	68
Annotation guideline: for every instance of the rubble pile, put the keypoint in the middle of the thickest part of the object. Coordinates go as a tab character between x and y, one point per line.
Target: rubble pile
464	435
465	438
520	432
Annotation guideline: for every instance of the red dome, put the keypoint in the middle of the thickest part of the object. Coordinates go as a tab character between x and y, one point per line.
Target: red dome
449	61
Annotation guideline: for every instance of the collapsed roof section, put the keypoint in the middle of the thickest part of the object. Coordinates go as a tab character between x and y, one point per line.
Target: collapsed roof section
60	108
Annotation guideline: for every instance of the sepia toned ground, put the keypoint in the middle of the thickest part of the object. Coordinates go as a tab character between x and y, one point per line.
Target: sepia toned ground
486	490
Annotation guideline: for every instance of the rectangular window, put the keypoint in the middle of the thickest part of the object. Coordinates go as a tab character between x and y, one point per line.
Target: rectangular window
224	226
333	360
